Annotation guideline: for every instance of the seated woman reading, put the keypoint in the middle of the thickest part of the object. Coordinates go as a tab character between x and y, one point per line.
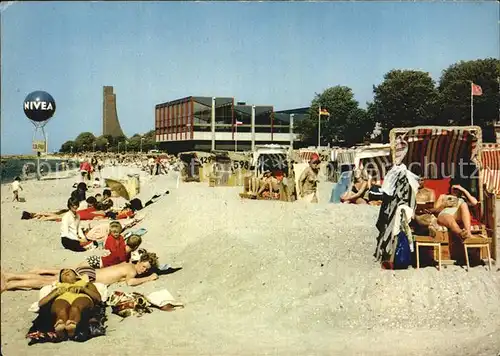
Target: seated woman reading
452	209
358	189
73	296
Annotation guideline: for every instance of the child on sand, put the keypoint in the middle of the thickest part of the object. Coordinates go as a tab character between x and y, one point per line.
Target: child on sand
16	187
119	251
72	236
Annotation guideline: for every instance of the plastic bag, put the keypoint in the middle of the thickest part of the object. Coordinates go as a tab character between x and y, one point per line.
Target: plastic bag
402	257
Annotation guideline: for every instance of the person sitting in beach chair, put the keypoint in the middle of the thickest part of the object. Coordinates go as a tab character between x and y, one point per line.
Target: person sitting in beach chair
268	183
123	272
425	199
72	297
452	209
358	189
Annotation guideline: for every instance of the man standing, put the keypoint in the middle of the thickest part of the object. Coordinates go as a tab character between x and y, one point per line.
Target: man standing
308	181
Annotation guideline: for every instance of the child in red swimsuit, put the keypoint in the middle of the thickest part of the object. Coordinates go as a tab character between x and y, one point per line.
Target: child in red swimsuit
118	250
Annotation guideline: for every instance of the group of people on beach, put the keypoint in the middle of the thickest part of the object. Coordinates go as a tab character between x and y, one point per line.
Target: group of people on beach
120	260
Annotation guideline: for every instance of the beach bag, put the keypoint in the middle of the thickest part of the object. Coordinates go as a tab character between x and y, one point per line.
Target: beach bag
127	304
375	193
402	257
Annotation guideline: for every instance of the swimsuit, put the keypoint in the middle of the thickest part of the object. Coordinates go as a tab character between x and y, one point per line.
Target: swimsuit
87	271
70	297
452	210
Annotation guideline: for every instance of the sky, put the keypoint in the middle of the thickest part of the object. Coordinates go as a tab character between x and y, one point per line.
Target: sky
275	53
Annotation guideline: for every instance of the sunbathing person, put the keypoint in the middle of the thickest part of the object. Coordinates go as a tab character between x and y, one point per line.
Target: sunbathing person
452	208
89	213
72	297
106	203
268	183
124	272
359	188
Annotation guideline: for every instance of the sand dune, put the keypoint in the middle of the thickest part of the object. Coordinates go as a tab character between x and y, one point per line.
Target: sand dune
260	277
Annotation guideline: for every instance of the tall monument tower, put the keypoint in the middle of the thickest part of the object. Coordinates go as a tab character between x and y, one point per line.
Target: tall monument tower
110	124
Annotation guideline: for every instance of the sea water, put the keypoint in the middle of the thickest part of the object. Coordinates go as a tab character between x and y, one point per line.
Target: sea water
11	168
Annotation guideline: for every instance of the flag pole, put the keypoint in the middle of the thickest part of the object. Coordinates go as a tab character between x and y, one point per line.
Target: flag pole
236	138
319	126
471	105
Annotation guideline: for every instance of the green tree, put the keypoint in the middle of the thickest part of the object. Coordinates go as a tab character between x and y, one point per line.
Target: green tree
67	146
455	92
347	123
405	98
84	141
101	143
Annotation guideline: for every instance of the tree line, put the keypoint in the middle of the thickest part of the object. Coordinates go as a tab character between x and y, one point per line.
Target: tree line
407	98
87	142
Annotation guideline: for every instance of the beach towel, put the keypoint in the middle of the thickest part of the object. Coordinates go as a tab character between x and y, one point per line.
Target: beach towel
402	192
139	232
164	300
92	324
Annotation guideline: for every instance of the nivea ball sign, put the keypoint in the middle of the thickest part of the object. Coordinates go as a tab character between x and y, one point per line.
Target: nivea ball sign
39	106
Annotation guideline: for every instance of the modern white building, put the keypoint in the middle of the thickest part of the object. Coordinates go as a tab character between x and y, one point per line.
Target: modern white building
209	123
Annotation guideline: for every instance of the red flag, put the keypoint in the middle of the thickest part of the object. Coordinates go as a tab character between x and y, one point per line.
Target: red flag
476	90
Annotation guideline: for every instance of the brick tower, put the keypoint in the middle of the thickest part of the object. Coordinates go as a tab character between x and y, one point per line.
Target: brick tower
110	124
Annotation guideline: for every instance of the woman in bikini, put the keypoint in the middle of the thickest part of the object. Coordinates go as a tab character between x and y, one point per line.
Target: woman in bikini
73	296
358	189
452	209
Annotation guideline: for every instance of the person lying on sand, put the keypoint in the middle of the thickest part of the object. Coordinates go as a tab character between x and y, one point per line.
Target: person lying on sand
101	230
124	272
72	297
89	213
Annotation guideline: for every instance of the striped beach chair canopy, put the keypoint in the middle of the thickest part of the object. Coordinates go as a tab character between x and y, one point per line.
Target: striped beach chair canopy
376	160
490	157
437	152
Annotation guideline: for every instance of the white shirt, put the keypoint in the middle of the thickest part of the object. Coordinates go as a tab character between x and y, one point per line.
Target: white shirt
70	226
16	186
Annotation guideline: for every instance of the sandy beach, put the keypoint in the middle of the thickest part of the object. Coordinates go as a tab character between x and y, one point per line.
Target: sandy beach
258	278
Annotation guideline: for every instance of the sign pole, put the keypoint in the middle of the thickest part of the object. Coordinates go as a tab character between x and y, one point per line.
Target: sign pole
471	106
319	127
